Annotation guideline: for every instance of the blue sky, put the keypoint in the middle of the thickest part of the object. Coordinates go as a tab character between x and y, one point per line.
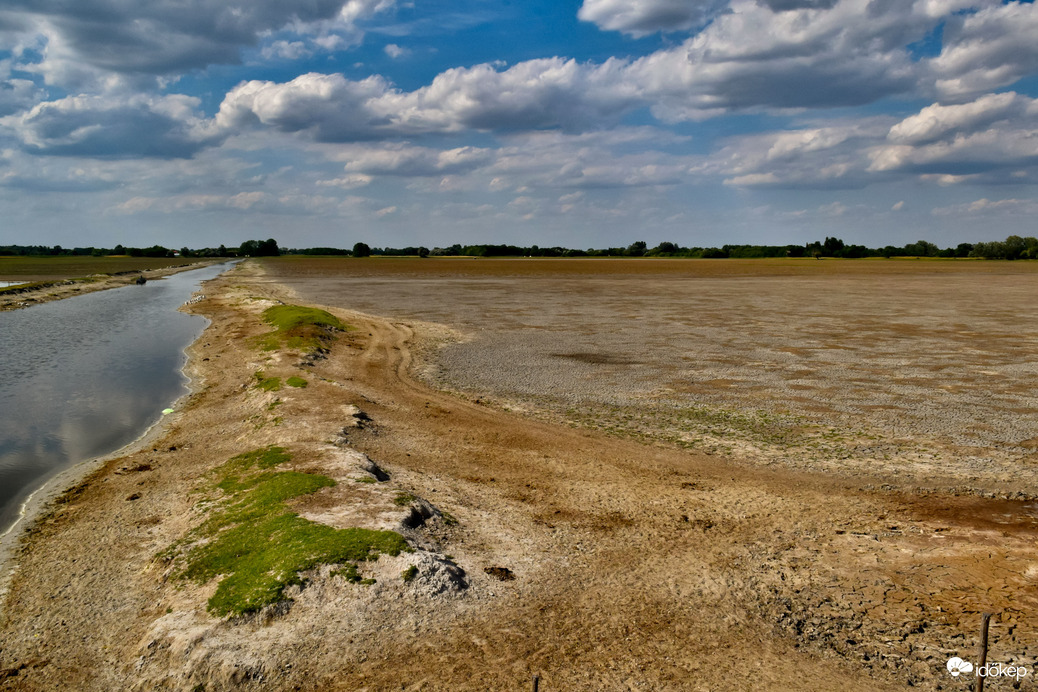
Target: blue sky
589	123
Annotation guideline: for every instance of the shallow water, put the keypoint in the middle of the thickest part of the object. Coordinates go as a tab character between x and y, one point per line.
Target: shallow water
82	377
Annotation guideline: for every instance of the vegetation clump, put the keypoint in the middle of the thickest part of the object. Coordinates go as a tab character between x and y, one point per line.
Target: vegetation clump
267	384
403	499
296	382
409	574
301	328
257	545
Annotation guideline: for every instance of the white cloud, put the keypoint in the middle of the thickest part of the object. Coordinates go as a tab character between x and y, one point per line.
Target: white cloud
289	50
347	182
396	52
161	38
991	48
997	131
937	121
407	160
531	95
642	17
176	203
820	156
987	207
95	126
17	95
782	55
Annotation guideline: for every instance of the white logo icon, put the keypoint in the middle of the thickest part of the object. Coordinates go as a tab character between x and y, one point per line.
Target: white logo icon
956	665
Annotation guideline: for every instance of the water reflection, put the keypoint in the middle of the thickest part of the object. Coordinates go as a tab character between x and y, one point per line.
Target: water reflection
81	377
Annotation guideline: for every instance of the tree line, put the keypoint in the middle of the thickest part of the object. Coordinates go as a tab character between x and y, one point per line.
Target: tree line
250	248
1012	248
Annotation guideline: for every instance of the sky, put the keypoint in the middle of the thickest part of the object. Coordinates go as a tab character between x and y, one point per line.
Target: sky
580	123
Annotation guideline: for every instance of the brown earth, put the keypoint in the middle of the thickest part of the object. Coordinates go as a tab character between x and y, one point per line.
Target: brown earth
635	566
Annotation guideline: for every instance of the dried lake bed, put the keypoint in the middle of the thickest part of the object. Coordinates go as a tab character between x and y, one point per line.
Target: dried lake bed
914	369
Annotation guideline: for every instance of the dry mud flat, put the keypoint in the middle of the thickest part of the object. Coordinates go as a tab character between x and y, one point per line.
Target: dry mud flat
920	371
634	566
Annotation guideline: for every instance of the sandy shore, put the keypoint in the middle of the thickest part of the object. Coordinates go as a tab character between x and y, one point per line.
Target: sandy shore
636	566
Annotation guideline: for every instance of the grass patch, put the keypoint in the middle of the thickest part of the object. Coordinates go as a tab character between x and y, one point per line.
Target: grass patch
409	574
404	499
349	573
296	382
257	546
297	327
267	384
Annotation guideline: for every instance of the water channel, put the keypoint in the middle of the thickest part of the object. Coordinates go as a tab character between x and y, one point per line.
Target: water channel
82	377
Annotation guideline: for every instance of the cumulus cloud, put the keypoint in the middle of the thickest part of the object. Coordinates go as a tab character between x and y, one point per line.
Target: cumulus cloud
755	56
993	132
643	17
991	48
347	182
407	160
985	206
819	157
844	54
159	38
17	95
396	52
936	121
991	139
93	126
174	203
289	50
537	94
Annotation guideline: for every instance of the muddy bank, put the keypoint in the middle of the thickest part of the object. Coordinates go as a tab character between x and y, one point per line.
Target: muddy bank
18	297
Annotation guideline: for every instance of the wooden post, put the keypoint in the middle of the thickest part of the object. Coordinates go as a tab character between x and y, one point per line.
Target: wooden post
985	619
536	682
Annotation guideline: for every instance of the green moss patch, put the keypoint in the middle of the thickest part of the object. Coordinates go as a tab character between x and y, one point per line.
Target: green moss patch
297	327
267	384
296	382
257	545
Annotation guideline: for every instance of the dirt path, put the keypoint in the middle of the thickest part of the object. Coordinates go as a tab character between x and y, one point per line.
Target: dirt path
635	567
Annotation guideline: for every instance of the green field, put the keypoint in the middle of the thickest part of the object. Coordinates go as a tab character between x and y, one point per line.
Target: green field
54	268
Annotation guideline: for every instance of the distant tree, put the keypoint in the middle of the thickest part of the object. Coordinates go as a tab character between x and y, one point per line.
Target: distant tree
361	250
636	249
921	248
423	251
832	247
249	248
268	248
221	251
119	250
